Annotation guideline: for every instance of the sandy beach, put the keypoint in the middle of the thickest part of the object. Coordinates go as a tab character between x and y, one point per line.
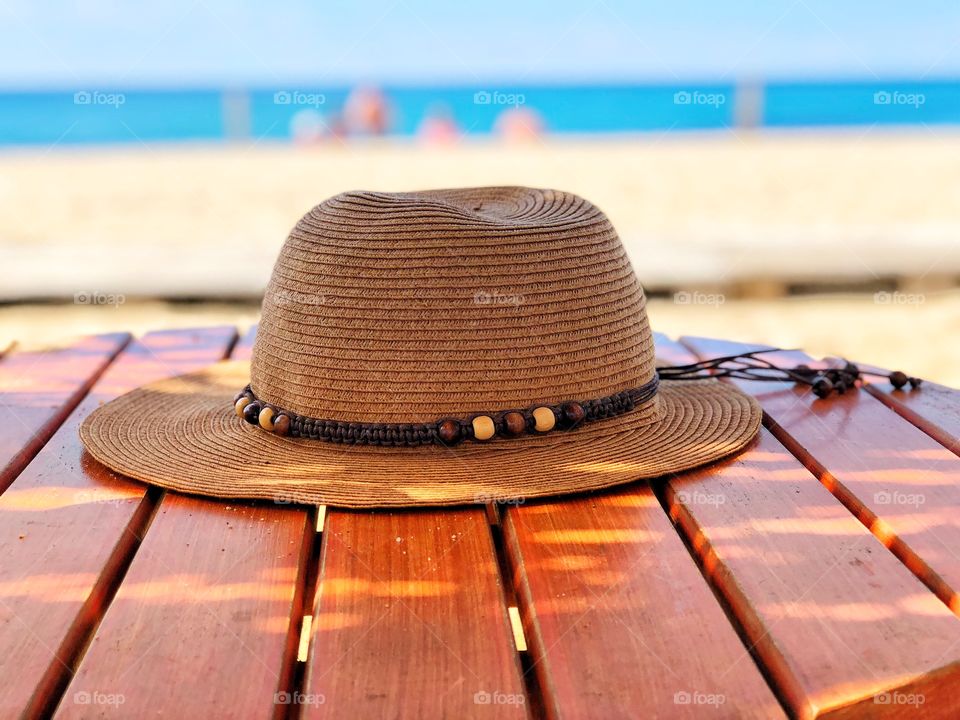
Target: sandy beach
692	209
726	215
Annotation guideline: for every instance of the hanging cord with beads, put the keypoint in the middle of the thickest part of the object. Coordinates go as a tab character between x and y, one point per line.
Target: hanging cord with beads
748	366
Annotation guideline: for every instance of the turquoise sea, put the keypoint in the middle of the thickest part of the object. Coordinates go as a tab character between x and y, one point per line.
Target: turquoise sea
118	115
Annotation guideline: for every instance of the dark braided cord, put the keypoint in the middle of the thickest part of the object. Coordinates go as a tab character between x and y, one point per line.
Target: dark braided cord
416	434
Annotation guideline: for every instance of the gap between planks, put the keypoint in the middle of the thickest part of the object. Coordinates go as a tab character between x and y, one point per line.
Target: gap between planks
69	654
516	612
513	610
803	691
704	561
350	541
306	622
293	679
884	530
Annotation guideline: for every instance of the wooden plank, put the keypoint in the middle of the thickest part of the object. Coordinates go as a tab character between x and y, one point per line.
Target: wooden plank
39	388
410	620
212	590
808	582
208	597
67	524
619	620
897	480
933	408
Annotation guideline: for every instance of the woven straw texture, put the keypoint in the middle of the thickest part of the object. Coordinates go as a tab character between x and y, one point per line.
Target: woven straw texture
415	306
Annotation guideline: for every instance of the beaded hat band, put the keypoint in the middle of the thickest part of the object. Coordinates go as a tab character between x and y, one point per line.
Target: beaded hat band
447	431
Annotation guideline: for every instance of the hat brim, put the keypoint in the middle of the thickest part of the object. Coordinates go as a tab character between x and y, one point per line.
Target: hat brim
181	434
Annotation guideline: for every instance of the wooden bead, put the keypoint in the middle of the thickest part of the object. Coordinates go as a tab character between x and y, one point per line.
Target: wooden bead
449	431
822	387
251	413
483	427
544	419
281	425
514	423
574	414
266	419
241	404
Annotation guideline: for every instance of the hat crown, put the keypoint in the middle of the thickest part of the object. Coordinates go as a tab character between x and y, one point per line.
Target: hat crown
407	307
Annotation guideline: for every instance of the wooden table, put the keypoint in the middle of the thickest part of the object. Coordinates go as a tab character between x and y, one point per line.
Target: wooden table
814	575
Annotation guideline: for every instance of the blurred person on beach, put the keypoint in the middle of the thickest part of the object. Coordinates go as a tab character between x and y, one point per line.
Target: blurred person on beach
366	112
438	126
519	124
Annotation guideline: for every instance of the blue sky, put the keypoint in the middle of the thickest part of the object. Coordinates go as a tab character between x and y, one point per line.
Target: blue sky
215	43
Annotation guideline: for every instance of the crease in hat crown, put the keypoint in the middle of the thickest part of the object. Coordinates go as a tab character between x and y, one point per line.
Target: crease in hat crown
408	307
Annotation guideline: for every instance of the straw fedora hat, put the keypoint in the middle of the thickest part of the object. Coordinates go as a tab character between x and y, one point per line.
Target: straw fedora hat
432	348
